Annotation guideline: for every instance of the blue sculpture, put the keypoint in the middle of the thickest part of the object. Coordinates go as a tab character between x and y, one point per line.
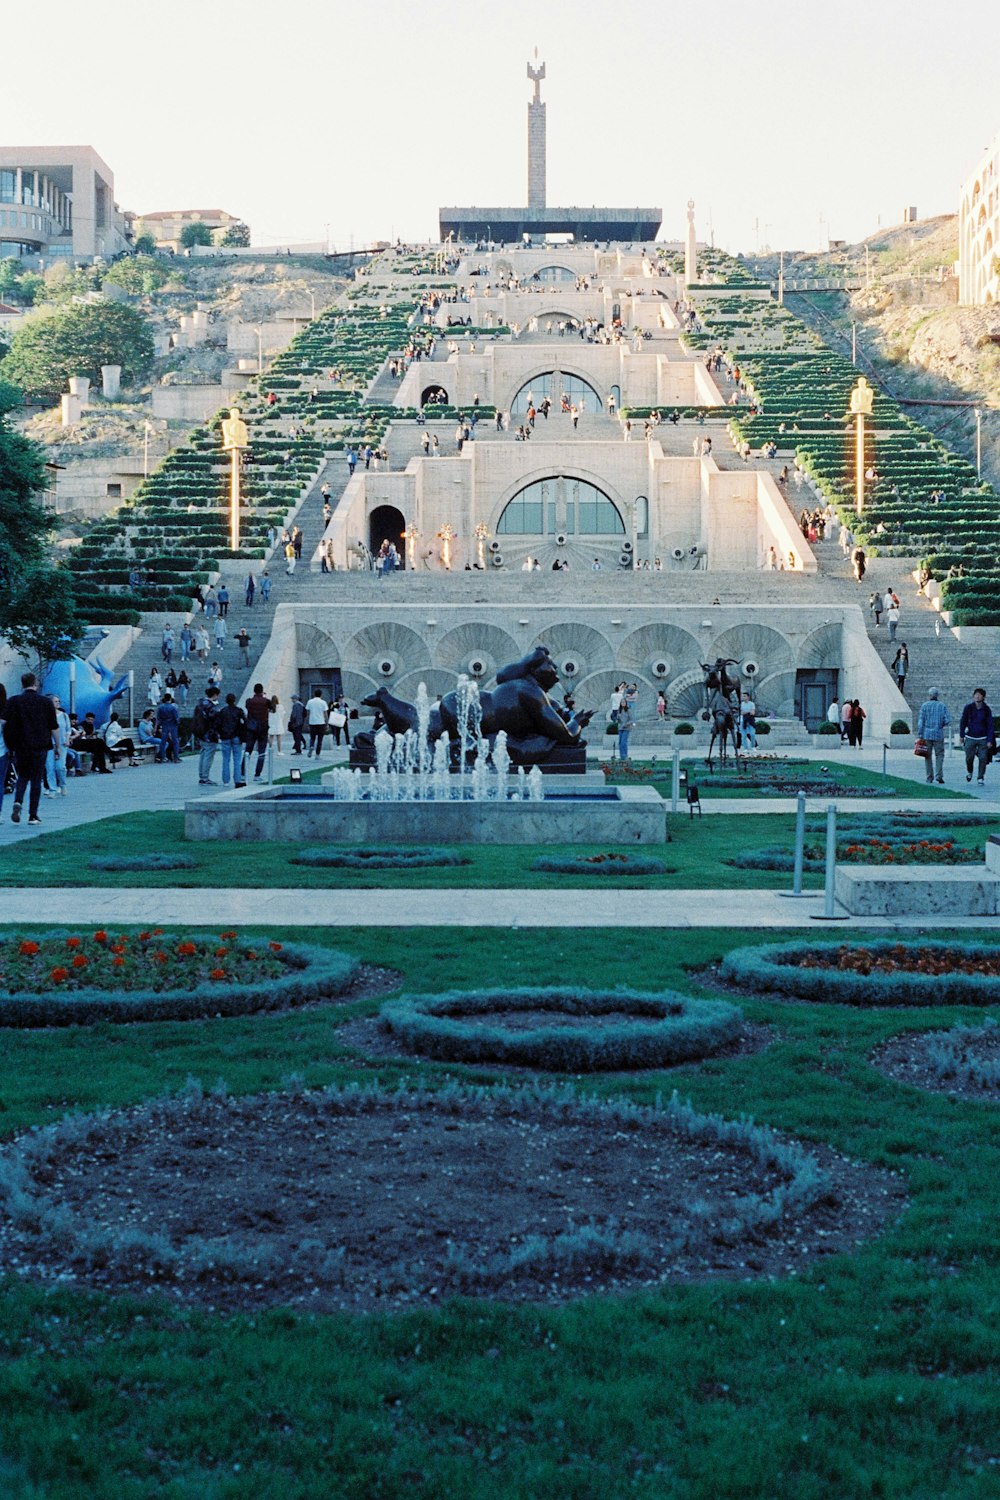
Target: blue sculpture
94	691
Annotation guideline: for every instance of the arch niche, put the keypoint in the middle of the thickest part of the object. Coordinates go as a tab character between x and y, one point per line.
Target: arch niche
386	523
434	395
553	383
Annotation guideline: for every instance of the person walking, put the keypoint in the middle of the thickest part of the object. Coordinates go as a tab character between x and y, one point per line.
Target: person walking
232	725
167	644
932	721
223	600
859	562
258	722
265	588
203	643
249	590
316	712
875	608
221	629
748	720
183	687
901	665
978	734
845	722
833	717
154	687
31	729
243	639
296	724
290	558
55	760
856	728
892	617
186	641
206	732
626	723
168	725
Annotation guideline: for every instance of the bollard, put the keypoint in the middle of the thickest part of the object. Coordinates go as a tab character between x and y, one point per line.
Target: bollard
270	764
829	914
885	751
800	845
675	781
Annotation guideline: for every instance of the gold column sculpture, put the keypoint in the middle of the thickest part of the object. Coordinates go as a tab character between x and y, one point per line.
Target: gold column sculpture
235	437
862	397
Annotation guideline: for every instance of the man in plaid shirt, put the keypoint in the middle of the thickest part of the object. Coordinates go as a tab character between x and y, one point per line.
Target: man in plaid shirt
932	722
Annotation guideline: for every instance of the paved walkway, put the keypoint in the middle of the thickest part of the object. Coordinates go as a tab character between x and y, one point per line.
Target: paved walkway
512	909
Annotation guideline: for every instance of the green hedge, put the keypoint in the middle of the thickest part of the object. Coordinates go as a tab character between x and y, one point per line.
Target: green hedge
774	967
385	858
314	974
463	1026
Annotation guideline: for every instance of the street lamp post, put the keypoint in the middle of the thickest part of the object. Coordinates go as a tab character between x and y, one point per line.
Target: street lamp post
979	443
260	352
235	438
145	450
862	397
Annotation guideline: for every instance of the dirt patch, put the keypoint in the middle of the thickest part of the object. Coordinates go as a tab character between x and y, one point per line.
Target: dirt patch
367	1037
964	1062
359	1199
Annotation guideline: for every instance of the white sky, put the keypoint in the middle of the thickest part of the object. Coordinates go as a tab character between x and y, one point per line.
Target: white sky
302	114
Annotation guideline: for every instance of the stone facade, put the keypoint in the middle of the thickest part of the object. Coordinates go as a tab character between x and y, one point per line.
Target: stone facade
979	231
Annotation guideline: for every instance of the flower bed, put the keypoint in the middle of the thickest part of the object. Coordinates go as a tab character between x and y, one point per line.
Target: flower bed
563	1030
71	979
964	1060
139	862
529	1194
873	974
386	858
600	864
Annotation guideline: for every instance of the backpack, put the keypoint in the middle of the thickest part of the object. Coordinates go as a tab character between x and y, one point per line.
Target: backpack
199	721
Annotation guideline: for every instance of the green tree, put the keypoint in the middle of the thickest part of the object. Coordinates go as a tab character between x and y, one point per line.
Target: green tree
46	351
18	284
145	245
136	274
195	234
40	620
237	235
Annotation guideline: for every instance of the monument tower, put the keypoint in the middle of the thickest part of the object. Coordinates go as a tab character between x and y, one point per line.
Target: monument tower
536	138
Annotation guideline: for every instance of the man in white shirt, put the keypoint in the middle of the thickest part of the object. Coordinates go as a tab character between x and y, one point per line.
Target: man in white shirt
316	711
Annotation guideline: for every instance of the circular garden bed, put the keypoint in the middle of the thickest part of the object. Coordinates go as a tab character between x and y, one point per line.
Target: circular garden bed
963	1061
72	979
519	1194
872	974
602	864
562	1030
378	859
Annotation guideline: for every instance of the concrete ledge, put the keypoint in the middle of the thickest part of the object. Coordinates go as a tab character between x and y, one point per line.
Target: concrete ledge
301	815
916	890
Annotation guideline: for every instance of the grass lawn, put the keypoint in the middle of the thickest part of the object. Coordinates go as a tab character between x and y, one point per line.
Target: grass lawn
871	1375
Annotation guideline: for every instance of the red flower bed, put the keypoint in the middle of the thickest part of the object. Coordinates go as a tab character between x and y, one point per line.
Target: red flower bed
879	851
900	960
130	963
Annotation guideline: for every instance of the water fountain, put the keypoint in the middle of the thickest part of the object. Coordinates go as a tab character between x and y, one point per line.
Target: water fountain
470	771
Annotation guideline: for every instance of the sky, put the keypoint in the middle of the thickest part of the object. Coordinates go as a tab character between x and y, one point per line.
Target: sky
787	121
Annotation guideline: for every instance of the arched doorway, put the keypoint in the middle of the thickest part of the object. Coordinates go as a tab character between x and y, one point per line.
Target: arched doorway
551	275
434	395
561	506
387	524
547	385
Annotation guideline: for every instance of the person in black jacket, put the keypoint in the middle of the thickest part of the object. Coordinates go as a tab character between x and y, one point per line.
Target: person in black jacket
977	733
231	723
31	730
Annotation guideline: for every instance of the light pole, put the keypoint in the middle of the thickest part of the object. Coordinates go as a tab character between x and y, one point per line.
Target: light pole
235	438
862	397
260	352
482	537
145	450
979	443
854	345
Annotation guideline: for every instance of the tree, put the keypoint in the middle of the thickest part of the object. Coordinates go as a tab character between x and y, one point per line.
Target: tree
196	234
18	284
145	245
36	599
46	351
237	236
136	274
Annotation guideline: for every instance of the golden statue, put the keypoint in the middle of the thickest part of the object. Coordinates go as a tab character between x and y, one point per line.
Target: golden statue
234	431
862	397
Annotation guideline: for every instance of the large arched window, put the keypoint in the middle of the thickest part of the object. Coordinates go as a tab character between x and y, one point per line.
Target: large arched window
553	274
548	385
560	504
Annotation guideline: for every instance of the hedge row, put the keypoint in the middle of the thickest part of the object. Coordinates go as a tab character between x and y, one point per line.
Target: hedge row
775	967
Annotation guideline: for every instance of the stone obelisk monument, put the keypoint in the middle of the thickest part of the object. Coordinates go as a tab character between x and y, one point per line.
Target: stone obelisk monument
536	139
690	249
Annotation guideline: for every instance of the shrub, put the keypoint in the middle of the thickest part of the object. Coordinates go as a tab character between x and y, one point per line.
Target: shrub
683	727
899	726
387	858
600	864
827	728
763	727
151	861
467	1026
785	968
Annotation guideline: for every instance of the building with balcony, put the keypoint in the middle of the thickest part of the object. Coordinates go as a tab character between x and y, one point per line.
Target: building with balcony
58	201
979	231
166	226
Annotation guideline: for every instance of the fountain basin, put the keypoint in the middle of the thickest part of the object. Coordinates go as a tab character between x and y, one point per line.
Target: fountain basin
307	814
